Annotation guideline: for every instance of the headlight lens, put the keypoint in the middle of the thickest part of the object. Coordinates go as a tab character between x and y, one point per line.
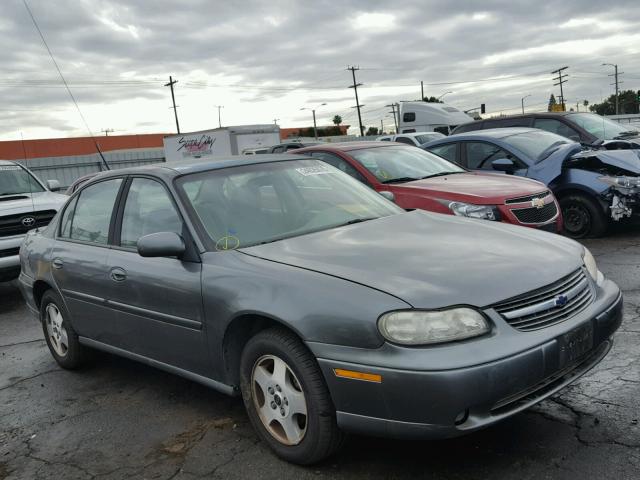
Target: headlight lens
485	212
416	327
623	182
592	267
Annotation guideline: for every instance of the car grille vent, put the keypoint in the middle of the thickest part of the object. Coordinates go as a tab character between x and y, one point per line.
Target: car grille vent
9	252
549	305
536	215
528	198
13	224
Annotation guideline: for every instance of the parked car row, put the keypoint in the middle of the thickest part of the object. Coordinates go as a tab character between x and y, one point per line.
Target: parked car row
288	280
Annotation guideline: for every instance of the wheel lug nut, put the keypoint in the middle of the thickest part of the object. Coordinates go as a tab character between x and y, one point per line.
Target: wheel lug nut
273	405
286	402
278	388
282	412
270	389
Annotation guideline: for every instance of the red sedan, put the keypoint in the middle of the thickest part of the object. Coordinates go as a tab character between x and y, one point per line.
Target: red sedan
415	178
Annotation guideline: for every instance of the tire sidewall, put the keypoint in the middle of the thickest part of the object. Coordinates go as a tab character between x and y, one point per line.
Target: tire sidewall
73	357
253	351
597	221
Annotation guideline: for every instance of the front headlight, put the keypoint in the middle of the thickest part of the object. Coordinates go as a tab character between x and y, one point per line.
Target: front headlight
416	327
485	212
622	181
592	267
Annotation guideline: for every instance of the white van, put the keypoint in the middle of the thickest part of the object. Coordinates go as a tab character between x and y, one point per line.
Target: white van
430	117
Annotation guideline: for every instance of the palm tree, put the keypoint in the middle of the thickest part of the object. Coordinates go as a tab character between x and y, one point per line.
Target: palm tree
337	120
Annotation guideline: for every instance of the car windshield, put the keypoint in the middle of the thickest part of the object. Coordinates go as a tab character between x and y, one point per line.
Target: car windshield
16	180
264	202
601	127
538	144
395	163
428	137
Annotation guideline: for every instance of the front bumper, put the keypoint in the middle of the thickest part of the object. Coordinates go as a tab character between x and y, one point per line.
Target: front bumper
9	257
445	402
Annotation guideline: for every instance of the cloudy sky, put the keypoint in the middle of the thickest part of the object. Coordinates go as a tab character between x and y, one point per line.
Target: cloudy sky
267	60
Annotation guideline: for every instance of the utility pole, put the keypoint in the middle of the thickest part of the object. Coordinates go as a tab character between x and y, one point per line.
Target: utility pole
421	91
522	102
616	83
107	131
219	117
355	90
171	83
560	82
381	127
275	121
393	111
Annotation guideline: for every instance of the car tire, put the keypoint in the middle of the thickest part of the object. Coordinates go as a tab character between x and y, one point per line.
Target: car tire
582	216
301	442
61	338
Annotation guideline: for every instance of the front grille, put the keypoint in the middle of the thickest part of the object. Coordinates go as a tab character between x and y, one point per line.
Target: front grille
12	224
545	307
528	198
536	215
9	252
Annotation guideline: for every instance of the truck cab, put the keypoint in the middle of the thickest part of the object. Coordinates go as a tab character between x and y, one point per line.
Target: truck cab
430	117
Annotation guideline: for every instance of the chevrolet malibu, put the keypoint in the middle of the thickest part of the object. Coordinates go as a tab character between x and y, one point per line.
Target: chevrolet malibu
328	308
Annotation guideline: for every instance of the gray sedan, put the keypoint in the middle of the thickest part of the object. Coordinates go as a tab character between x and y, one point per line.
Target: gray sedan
327	307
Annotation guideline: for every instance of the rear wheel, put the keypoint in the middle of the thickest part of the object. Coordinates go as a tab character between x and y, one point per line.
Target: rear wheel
287	399
583	217
61	339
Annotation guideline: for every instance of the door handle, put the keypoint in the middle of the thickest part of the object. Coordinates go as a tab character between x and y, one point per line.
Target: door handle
118	274
57	263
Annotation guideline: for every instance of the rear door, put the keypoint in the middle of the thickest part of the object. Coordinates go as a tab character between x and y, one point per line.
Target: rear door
158	300
79	257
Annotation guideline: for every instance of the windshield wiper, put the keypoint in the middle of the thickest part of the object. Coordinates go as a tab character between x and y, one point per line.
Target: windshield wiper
356	220
401	180
441	174
628	133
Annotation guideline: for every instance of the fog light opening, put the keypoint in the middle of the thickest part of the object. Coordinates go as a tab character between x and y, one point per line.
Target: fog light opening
462	417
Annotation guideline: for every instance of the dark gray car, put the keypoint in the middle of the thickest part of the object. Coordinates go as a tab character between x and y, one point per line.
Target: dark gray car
327	307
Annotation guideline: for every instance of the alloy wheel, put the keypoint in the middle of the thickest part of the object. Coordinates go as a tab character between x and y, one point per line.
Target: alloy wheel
279	400
56	331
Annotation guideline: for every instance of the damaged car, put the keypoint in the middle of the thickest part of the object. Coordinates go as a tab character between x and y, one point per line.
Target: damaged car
594	187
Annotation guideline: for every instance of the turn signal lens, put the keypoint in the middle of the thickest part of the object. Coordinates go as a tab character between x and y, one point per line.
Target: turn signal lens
367	377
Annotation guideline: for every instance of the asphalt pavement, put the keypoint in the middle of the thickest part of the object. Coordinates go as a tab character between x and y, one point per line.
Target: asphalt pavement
119	419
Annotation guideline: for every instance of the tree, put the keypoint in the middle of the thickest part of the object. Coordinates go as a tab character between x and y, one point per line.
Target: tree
585	103
552	102
372	131
627	102
337	120
432	100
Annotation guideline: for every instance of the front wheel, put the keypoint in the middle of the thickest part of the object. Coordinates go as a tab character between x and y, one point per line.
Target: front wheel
583	217
287	399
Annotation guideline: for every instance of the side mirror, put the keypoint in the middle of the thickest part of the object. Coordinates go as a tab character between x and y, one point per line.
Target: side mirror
503	165
388	195
161	244
53	185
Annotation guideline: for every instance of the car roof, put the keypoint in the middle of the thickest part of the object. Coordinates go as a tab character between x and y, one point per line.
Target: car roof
347	146
173	169
494	132
7	162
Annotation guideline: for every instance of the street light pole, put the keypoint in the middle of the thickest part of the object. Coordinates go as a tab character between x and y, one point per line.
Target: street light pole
313	110
615	75
522	102
442	96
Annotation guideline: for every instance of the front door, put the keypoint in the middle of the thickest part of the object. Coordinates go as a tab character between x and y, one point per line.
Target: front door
158	300
79	256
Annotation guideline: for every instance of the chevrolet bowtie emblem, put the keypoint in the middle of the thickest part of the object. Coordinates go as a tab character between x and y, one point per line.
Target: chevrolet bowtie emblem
537	202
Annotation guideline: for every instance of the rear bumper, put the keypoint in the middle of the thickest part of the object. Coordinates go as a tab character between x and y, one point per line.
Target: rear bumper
416	403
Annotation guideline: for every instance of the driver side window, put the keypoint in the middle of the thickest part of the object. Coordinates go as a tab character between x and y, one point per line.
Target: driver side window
480	155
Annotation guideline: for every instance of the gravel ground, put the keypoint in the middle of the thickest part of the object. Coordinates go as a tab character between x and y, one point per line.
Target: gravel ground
120	419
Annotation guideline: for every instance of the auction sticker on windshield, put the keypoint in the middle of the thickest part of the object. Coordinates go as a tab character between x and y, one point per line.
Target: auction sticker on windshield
4	169
319	170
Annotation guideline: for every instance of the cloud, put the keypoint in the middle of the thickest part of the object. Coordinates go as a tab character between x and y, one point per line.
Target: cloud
267	60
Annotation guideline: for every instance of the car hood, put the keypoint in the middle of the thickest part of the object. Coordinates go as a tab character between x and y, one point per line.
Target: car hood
30	202
608	161
473	187
431	260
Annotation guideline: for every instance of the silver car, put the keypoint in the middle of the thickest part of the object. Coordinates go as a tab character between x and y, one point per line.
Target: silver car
326	306
25	203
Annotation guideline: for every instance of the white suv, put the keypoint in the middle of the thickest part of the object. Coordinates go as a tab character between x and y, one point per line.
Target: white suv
25	204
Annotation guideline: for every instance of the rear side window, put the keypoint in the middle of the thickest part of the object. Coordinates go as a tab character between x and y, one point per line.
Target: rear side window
149	209
88	218
409	117
406	140
555	126
448	152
